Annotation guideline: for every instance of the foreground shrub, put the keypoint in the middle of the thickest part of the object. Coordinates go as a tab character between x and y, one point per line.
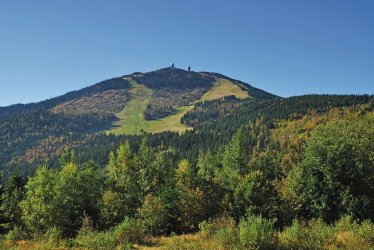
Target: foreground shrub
222	229
312	235
16	234
349	234
98	240
228	234
253	232
120	237
315	234
153	215
257	232
52	238
130	230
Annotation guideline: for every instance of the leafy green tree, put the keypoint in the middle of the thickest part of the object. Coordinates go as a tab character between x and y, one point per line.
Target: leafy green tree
67	156
78	192
123	197
191	198
61	199
235	160
39	205
113	209
153	214
207	167
338	170
255	195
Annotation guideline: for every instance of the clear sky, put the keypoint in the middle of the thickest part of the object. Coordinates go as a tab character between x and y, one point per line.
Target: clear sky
285	47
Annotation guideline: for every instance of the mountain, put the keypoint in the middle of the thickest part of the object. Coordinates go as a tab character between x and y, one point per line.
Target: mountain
193	159
185	111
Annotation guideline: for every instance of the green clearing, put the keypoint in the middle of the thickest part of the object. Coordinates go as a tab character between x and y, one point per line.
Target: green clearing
131	117
131	120
222	88
171	122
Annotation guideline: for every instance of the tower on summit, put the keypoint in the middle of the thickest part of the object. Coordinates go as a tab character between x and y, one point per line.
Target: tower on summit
172	66
189	68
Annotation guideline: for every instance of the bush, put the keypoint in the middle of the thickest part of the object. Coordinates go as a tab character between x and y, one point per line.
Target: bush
344	234
226	232
206	228
349	234
222	229
96	240
291	237
130	230
153	215
16	234
52	238
120	237
312	235
256	232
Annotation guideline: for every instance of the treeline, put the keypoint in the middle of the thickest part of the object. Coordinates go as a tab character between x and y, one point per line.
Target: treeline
319	167
210	110
24	127
165	101
174	78
26	130
154	112
39	131
215	133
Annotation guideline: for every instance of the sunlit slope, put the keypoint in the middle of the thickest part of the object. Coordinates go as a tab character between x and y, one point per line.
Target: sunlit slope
131	120
223	87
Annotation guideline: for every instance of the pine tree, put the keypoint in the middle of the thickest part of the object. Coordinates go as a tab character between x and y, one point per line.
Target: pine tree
235	160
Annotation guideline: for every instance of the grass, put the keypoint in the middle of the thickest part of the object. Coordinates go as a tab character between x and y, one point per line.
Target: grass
131	120
171	122
185	241
253	232
222	88
256	232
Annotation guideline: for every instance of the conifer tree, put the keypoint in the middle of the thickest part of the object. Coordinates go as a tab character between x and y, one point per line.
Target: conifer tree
14	193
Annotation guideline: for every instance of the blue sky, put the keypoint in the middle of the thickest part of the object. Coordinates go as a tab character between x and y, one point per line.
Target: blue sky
286	47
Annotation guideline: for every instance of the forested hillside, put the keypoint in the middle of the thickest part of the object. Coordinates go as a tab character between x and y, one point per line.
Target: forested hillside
252	171
297	174
33	134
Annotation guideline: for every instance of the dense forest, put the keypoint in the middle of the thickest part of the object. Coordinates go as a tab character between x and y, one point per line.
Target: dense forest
293	173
